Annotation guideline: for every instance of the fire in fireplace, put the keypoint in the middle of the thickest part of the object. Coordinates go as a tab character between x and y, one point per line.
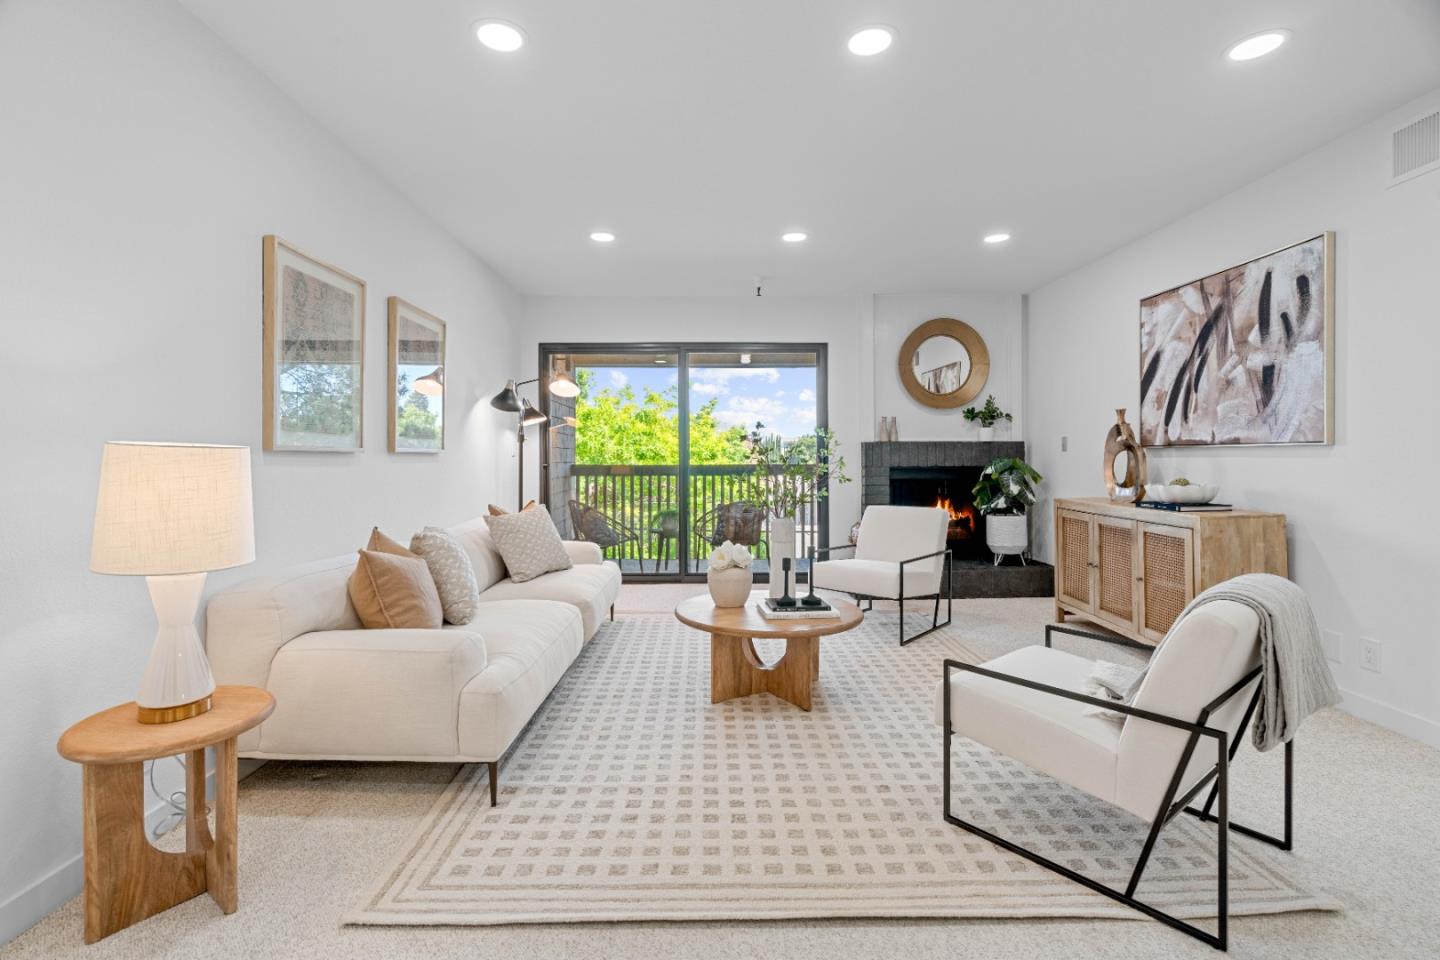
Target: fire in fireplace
948	488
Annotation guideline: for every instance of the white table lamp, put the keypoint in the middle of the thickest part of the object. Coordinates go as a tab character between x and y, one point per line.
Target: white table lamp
170	512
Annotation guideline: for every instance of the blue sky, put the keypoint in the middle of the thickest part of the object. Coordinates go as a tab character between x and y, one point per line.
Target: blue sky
783	398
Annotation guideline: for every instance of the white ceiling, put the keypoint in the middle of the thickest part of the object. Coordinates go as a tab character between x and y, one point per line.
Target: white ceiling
700	130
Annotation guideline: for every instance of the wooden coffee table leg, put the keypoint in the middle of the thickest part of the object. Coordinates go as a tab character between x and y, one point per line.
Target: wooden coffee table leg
736	670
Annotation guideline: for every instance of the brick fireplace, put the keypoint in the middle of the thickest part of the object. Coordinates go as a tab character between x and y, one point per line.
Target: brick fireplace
942	473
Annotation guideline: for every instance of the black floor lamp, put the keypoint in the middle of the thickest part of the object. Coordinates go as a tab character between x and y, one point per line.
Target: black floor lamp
561	385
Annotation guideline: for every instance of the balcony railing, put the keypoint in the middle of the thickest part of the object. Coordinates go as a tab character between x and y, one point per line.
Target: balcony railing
641	505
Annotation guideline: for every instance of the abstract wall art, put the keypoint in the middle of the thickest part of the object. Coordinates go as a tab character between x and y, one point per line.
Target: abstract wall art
314	328
1243	356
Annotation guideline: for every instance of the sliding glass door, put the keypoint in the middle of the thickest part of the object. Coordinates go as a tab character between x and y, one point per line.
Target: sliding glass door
652	460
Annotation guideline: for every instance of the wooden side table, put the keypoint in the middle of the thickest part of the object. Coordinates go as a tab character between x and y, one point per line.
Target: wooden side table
127	879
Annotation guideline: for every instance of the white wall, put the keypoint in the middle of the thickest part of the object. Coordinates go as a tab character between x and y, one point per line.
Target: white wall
1362	526
142	163
997	318
864	335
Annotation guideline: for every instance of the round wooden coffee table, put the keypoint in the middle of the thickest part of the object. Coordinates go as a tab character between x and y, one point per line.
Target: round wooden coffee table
736	670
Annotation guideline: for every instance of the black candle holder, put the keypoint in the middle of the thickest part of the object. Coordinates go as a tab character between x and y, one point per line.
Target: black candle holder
810	600
786	602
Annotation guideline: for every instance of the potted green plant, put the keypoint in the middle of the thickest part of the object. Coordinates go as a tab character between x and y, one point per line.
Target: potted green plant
1003	494
988	415
789	476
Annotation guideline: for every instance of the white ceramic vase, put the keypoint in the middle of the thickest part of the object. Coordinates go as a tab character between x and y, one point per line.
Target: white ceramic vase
1006	535
782	548
987	433
729	587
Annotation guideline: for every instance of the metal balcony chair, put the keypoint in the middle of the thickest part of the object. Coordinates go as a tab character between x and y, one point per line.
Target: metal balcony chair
599	528
1202	685
739	522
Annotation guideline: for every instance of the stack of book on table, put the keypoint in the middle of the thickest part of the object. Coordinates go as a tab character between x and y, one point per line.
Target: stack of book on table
771	611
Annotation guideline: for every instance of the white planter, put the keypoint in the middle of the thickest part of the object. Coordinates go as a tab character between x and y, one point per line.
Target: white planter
1005	535
987	433
729	587
782	547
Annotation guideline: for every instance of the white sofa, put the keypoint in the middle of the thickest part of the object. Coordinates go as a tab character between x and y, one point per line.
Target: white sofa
461	693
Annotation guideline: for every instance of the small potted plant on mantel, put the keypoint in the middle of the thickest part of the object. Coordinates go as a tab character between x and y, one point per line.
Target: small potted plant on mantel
1003	494
988	415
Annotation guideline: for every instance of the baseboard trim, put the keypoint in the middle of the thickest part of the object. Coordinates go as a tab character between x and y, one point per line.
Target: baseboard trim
1407	724
65	882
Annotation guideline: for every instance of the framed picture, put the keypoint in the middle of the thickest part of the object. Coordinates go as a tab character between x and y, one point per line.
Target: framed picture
314	327
417	379
1243	356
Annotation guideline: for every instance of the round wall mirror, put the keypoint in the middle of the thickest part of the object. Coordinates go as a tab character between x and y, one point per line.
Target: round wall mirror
944	363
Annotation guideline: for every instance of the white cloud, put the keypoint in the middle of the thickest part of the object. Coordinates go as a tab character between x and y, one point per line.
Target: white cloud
744	411
808	396
618	379
717	379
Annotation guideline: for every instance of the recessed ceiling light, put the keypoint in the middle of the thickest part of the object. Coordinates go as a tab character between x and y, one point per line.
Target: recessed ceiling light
603	236
500	36
794	236
744	358
659	359
1257	46
868	41
996	237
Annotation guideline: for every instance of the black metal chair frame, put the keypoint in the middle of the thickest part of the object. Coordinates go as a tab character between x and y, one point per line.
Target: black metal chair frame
1218	779
948	596
621	529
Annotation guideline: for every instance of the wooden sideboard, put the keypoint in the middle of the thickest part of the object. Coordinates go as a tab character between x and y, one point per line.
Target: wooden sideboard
1133	569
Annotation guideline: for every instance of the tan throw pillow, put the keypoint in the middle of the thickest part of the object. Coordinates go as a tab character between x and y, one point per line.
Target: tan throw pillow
502	512
392	587
451	570
529	544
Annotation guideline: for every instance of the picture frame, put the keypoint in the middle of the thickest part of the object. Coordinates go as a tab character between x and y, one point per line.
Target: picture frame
417	342
1244	356
314	353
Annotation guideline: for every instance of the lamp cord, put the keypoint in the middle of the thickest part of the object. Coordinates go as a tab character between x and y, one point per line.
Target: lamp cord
176	801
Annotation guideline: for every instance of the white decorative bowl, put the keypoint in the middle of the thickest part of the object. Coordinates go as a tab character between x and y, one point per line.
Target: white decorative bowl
1184	493
730	587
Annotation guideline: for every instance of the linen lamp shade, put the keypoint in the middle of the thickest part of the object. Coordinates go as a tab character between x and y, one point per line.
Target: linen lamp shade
172	508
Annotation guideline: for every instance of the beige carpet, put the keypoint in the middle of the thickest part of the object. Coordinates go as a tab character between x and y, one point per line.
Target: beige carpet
315	836
632	797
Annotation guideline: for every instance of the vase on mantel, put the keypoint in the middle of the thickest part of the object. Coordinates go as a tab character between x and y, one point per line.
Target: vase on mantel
782	548
987	434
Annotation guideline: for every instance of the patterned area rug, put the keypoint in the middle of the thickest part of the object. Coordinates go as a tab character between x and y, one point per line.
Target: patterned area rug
632	797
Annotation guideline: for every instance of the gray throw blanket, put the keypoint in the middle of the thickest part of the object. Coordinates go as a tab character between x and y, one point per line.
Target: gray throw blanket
1295	679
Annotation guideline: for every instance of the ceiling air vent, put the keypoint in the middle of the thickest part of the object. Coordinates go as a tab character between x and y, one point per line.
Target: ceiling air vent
1415	148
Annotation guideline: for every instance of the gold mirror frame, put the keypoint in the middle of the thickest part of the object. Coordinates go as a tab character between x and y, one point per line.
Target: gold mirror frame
974	346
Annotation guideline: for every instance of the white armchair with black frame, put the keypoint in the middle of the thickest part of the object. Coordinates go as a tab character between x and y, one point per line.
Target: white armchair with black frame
900	554
1177	738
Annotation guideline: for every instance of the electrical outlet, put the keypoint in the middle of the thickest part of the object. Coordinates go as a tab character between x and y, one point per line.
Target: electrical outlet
1330	640
1370	654
1064	444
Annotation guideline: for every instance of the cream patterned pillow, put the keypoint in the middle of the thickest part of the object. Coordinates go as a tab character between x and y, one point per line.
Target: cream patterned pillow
529	544
450	568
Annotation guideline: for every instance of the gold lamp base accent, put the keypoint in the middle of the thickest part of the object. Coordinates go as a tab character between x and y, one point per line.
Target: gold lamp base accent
183	711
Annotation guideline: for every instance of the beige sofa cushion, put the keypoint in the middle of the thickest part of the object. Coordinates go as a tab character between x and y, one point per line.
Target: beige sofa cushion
392	591
529	543
452	572
374	694
474	538
589	587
